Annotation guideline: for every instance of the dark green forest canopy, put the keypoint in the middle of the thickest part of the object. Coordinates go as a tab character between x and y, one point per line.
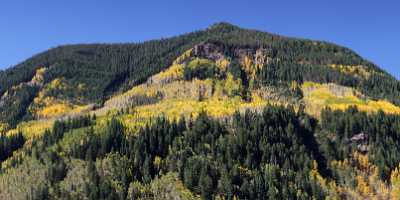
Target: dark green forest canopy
133	63
109	68
267	155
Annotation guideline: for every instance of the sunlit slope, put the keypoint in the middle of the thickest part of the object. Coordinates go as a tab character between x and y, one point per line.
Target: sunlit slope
198	81
174	94
318	96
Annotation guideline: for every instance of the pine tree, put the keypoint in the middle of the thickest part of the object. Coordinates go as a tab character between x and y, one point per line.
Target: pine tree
206	184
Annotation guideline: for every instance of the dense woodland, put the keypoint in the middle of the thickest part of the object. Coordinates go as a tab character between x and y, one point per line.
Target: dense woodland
278	152
106	69
252	156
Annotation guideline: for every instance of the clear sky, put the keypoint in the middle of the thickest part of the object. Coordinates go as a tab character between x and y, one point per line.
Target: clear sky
27	27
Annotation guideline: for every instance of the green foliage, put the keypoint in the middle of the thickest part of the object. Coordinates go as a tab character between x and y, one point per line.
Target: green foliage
273	154
104	69
202	152
269	154
381	131
13	107
200	69
8	144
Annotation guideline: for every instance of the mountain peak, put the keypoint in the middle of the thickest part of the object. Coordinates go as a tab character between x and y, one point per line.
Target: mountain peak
223	26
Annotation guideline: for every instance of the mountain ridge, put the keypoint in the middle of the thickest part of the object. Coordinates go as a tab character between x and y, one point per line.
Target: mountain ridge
222	113
122	66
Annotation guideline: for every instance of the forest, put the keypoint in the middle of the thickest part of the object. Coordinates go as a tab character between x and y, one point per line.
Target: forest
267	155
107	69
220	113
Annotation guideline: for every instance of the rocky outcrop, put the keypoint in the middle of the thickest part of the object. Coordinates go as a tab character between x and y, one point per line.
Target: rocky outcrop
209	51
361	142
262	57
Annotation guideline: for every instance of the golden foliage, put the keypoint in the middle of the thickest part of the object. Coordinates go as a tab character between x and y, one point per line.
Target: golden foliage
356	70
48	106
175	72
157	162
223	64
187	54
196	62
368	185
248	64
329	186
38	78
3	127
58	83
233	87
32	128
176	108
54	110
395	183
318	96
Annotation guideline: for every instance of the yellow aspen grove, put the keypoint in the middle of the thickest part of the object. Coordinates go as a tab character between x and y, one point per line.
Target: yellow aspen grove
395	183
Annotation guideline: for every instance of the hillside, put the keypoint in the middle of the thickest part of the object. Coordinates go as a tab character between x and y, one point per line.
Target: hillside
223	113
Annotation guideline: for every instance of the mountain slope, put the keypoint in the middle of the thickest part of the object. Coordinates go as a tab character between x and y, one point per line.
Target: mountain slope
225	113
101	70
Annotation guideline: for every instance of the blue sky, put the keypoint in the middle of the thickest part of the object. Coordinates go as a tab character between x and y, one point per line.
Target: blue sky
371	28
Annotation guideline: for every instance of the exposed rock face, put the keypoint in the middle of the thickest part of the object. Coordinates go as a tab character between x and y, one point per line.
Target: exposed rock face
209	51
242	53
262	57
361	137
361	140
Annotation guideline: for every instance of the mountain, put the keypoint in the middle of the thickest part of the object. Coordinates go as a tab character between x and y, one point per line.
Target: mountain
225	113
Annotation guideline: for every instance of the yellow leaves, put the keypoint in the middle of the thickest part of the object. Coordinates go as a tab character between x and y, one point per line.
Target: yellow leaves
329	186
233	87
175	108
157	162
245	171
316	175
200	61
309	84
395	183
38	78
362	186
362	161
252	64
32	128
357	70
46	105
223	64
249	67
3	127
54	110
51	108
368	185
81	87
174	72
58	83
41	71
248	64
187	54
318	96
